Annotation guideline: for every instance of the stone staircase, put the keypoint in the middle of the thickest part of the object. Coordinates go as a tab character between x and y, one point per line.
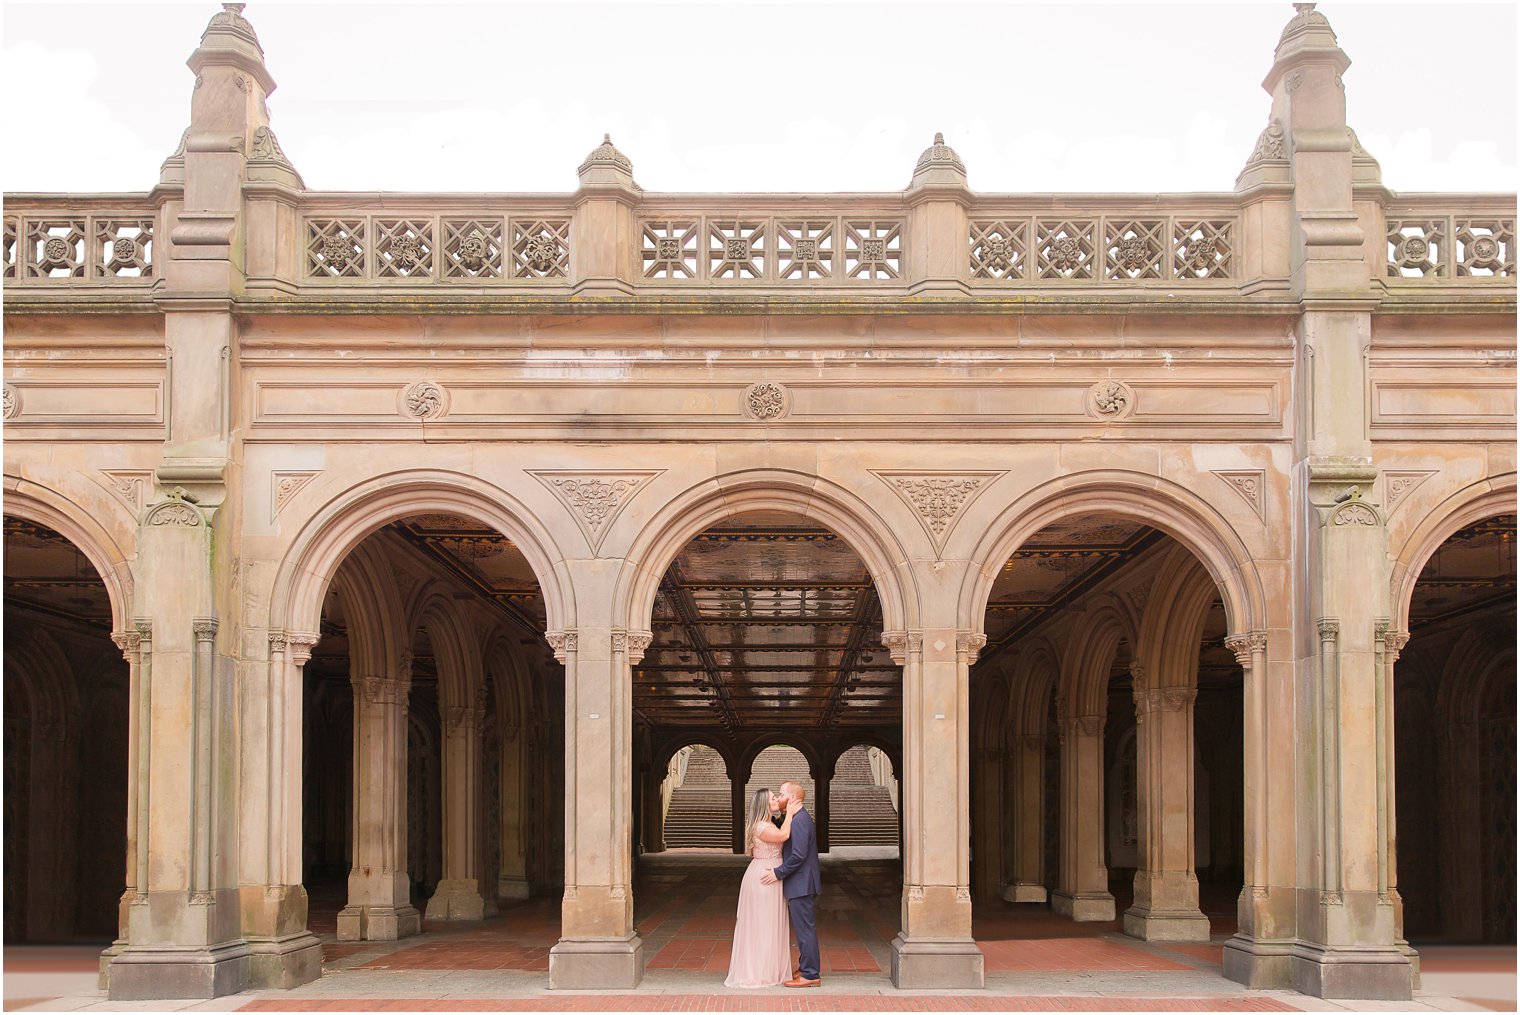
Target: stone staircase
699	807
860	812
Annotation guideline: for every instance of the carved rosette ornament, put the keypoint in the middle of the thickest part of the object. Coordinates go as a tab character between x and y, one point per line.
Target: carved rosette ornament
10	401
766	400
1111	399
423	401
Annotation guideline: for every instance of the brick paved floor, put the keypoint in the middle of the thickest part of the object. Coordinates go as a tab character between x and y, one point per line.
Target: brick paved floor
685	905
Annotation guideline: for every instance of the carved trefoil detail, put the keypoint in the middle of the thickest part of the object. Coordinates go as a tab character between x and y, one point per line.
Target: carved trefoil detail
938	498
594	498
1251	484
284	486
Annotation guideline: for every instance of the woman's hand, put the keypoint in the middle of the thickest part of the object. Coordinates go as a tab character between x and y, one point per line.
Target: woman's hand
793	807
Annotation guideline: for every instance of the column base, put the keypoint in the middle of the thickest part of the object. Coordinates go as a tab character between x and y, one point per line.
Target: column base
1166	924
1364	974
378	923
512	886
597	964
1023	891
1260	965
178	974
936	964
284	962
457	899
1084	907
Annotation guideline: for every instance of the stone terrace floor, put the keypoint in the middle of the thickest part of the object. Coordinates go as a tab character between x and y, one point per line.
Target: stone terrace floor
1035	961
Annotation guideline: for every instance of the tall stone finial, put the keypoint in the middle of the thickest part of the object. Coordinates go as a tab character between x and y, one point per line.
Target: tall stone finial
1306	21
939	165
607	165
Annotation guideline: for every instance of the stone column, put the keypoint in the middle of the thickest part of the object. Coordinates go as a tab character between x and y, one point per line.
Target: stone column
935	947
379	890
1083	885
654	811
598	946
1026	792
53	828
184	938
1166	883
821	810
457	896
989	812
512	879
738	804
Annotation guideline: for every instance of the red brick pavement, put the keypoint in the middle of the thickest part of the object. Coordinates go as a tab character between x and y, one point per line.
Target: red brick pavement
812	1002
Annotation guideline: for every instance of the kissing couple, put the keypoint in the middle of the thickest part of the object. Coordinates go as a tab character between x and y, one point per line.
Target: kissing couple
781	883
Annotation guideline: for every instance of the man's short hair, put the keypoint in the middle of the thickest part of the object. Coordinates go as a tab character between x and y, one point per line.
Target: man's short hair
801	790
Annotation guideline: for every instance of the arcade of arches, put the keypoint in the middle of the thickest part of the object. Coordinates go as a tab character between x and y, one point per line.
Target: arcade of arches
382	563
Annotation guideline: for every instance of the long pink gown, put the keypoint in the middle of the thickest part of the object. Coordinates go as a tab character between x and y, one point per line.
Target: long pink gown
762	954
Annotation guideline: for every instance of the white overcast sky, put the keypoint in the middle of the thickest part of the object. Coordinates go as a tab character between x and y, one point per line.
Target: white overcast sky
756	96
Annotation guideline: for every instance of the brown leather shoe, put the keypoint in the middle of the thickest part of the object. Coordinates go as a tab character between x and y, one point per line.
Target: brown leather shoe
800	982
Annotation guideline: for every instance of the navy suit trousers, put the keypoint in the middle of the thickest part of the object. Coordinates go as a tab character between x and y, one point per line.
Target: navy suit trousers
805	928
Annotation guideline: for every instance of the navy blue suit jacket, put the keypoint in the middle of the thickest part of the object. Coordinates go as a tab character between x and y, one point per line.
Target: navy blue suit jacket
798	872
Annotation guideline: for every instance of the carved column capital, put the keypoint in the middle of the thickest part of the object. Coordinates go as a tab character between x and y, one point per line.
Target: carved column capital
563	643
130	643
458	720
301	646
1391	641
969	644
205	628
1329	629
900	644
631	643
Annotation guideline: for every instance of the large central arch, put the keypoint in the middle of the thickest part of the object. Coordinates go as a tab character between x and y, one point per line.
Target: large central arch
709	502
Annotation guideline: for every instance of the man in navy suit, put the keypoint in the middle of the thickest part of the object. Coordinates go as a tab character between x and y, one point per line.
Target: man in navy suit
801	883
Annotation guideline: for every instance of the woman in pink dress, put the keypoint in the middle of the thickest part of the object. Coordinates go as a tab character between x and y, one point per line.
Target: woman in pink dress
762	952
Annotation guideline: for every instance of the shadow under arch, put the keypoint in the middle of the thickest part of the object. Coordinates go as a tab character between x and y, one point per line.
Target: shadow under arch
1468	506
330	534
31	501
701	506
746	758
660	760
1140	497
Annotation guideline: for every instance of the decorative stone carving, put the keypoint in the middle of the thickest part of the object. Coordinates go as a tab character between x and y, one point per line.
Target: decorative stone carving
1329	629
130	642
1203	250
541	248
939	499
423	400
607	154
969	644
963	893
1353	510
915	893
1399	484
10	401
562	642
204	628
131	486
284	486
999	249
231	21
1088	725
899	644
1111	399
177	510
266	148
1251	485
766	400
1271	145
939	154
595	498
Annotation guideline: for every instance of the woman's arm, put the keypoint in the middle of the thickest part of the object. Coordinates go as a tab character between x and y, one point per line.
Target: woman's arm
770	833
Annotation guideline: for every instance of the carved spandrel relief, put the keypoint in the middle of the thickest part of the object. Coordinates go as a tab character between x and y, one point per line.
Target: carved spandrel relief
1398	485
1251	484
594	498
131	486
938	498
284	486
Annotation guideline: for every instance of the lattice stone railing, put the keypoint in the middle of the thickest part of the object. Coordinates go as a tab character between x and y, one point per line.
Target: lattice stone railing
771	248
384	248
1103	248
116	245
1434	243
